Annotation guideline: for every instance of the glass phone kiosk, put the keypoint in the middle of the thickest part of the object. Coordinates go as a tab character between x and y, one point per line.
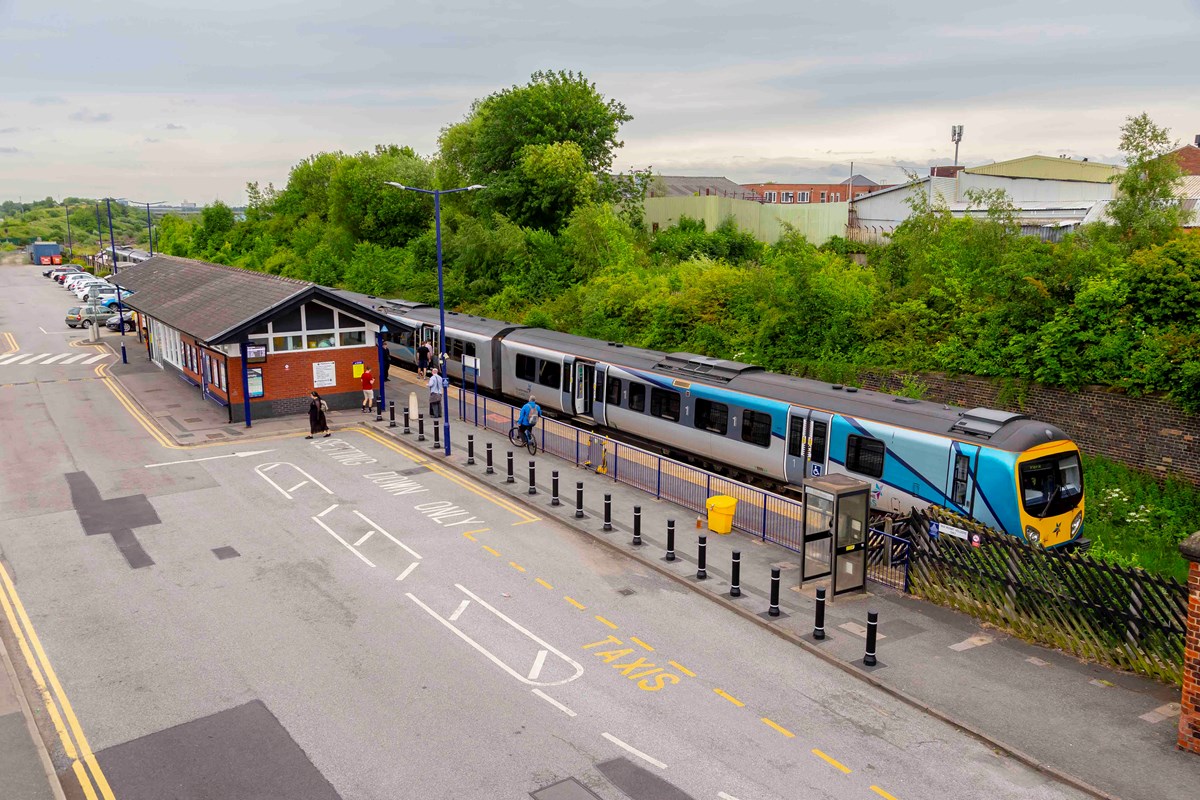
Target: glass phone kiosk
835	532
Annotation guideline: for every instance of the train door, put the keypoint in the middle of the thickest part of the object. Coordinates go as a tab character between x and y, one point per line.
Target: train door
817	463
585	382
960	477
797	440
599	410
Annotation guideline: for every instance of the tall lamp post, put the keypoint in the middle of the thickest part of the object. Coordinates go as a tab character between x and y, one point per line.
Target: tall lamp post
379	343
437	224
120	306
149	224
70	247
956	137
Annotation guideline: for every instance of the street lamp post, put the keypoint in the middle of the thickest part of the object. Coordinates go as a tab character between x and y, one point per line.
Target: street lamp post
379	337
437	225
70	247
120	305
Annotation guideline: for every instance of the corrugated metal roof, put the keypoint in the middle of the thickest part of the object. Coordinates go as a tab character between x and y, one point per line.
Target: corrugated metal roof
1191	187
1049	168
686	186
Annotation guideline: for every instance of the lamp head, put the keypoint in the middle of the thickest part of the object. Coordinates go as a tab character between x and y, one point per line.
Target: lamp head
397	185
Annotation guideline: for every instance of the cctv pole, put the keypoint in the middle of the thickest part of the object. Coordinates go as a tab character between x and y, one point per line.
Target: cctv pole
120	307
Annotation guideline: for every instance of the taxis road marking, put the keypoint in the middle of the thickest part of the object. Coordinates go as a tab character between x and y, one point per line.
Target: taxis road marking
730	698
682	669
833	762
640	643
781	729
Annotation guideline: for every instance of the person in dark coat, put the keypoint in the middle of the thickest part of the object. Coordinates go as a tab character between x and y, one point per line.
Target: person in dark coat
316	417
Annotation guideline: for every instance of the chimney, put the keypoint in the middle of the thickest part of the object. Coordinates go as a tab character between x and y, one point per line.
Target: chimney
1198	140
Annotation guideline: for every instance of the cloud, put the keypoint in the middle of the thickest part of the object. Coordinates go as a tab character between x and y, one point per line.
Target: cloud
9	151
84	115
48	100
171	126
150	140
9	130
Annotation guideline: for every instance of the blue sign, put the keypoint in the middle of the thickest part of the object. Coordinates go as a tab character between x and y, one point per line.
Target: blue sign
816	470
933	530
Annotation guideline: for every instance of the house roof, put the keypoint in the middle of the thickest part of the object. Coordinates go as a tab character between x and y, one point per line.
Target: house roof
1049	168
686	186
1188	157
859	180
216	303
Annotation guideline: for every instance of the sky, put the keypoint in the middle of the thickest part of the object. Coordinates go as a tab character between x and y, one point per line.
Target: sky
165	101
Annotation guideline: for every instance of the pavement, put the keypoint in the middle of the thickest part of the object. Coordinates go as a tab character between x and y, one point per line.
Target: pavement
1102	732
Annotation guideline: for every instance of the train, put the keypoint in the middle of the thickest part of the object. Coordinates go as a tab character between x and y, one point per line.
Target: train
1009	472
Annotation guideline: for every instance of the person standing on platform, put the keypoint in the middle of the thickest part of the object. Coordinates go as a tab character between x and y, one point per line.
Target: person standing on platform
316	416
435	393
368	387
422	360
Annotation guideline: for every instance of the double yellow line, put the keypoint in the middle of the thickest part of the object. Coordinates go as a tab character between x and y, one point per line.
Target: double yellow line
11	344
134	411
70	733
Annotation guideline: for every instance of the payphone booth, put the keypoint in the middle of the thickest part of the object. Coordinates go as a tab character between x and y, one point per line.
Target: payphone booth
835	532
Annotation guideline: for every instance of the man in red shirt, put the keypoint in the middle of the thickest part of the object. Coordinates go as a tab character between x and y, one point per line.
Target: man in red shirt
368	387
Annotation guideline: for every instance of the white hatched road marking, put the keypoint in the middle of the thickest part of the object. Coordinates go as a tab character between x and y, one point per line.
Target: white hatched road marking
31	359
94	359
365	519
45	359
73	359
458	612
10	359
634	750
538	663
554	703
348	546
724	796
408	570
52	359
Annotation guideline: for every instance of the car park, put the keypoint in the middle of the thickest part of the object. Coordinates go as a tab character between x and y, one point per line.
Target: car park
85	317
63	277
74	284
84	288
54	272
128	317
97	292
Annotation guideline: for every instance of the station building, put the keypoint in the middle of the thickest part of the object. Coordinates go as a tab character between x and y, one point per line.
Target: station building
254	343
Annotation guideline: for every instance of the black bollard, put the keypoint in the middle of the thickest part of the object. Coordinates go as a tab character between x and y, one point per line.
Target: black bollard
554	488
608	512
532	477
774	609
579	500
379	411
637	526
391	413
420	427
872	626
470	450
735	582
407	430
510	478
819	622
670	540
489	470
702	559
437	436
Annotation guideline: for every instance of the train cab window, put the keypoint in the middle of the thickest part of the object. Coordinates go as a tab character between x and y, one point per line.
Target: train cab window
550	374
796	437
756	428
526	367
664	403
712	416
962	470
865	455
820	435
614	391
637	397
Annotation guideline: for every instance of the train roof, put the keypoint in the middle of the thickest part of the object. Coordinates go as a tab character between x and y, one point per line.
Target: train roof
467	323
1003	429
581	346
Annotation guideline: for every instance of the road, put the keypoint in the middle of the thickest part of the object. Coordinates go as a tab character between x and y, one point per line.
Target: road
348	617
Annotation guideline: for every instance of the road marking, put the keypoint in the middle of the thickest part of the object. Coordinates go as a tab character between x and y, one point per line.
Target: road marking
833	762
10	359
12	343
543	583
297	486
730	698
52	359
241	454
364	538
348	546
975	641
28	359
634	750
326	511
469	534
491	550
458	612
574	602
525	522
379	528
882	793
554	703
81	776
407	571
262	468
73	359
682	669
40	328
603	621
516	566
640	643
94	359
781	729
538	663
724	796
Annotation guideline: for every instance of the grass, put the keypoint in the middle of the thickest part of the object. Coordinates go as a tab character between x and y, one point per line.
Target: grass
1136	520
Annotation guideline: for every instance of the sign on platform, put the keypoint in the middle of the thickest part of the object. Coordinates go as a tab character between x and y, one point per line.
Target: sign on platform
358	369
470	362
936	529
254	380
324	374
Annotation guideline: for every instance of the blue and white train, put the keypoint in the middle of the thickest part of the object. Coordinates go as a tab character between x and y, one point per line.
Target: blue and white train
1005	470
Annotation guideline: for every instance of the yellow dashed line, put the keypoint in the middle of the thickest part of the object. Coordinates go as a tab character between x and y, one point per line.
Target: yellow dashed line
469	536
543	583
832	762
490	550
526	521
682	668
574	602
781	729
603	621
730	698
516	566
882	793
640	643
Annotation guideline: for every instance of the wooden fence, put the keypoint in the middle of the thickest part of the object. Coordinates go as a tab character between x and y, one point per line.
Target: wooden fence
1126	618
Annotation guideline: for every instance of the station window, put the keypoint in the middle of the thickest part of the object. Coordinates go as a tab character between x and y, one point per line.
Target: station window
712	416
614	391
550	374
664	403
526	367
637	397
789	197
756	428
803	197
403	337
456	349
770	197
865	455
353	338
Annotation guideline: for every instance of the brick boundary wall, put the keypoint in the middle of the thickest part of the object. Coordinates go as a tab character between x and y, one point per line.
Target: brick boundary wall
1189	704
1147	433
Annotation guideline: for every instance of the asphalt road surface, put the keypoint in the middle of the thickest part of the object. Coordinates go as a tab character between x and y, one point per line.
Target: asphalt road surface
349	618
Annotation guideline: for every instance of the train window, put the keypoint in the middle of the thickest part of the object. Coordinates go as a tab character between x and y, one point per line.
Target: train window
637	396
796	437
550	374
962	470
664	403
864	455
526	367
403	337
756	428
820	434
614	391
469	349
712	416
456	349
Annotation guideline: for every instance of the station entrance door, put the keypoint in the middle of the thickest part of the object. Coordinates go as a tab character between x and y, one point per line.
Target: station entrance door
834	537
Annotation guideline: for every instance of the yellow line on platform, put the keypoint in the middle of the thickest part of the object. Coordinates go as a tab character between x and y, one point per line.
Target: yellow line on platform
516	566
490	550
730	698
833	762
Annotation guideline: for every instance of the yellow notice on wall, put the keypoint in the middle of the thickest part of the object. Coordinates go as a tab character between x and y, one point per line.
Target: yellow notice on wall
358	369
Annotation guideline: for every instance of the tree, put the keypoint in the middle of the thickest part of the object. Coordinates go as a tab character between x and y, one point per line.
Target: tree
361	202
216	221
1146	209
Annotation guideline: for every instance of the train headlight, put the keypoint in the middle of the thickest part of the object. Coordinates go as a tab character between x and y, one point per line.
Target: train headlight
1032	535
1076	523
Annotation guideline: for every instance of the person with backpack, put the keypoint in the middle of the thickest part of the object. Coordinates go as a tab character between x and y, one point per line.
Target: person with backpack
316	417
422	360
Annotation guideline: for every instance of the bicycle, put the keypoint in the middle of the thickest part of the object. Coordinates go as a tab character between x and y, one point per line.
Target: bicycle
520	438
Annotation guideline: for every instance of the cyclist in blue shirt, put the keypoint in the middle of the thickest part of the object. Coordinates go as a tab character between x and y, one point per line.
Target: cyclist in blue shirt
529	417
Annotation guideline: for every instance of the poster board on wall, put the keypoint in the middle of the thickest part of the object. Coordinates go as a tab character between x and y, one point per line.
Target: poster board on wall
324	374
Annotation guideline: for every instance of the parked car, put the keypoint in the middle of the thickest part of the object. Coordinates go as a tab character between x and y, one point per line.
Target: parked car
54	272
71	282
110	300
83	288
62	277
97	292
128	317
84	317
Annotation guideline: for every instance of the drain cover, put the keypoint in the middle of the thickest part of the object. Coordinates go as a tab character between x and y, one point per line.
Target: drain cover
570	789
625	592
